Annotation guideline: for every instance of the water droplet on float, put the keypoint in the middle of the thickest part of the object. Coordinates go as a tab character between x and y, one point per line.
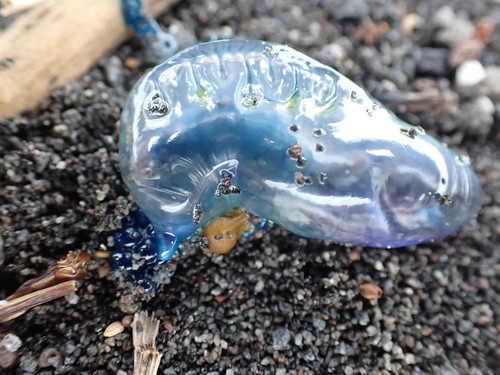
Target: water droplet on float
268	51
225	186
197	213
323	90
167	244
444	199
156	105
301	161
301	180
252	95
463	159
354	95
320	147
322	178
411	133
318	132
294	151
294	128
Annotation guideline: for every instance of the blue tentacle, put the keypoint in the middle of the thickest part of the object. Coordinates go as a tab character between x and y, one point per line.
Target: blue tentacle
159	44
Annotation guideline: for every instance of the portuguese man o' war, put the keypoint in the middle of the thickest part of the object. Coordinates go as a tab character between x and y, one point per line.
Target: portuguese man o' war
261	127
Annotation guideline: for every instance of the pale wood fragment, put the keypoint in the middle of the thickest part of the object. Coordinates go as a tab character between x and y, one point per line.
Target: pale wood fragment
56	41
144	331
10	7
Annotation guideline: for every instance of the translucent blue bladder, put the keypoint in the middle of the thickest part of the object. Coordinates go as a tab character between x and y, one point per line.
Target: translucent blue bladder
262	127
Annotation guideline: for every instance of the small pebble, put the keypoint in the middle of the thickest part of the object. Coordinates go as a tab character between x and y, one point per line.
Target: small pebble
318	322
50	357
409	358
28	364
10	342
72	298
103	270
351	10
433	61
127	320
370	291
259	287
452	28
298	339
490	83
410	21
469	73
61	129
114	70
309	356
9	346
129	304
61	165
8	359
132	62
281	338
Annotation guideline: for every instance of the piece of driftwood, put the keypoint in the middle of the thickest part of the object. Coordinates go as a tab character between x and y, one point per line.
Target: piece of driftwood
10	7
56	41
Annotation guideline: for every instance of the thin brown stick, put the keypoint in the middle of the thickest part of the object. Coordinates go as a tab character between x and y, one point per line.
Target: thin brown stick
144	331
11	309
73	267
426	101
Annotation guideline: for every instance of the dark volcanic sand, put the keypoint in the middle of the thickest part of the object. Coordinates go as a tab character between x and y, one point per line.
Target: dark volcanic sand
281	304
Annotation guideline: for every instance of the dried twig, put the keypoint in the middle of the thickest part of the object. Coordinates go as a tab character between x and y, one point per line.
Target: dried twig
73	267
429	101
144	331
58	281
18	306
